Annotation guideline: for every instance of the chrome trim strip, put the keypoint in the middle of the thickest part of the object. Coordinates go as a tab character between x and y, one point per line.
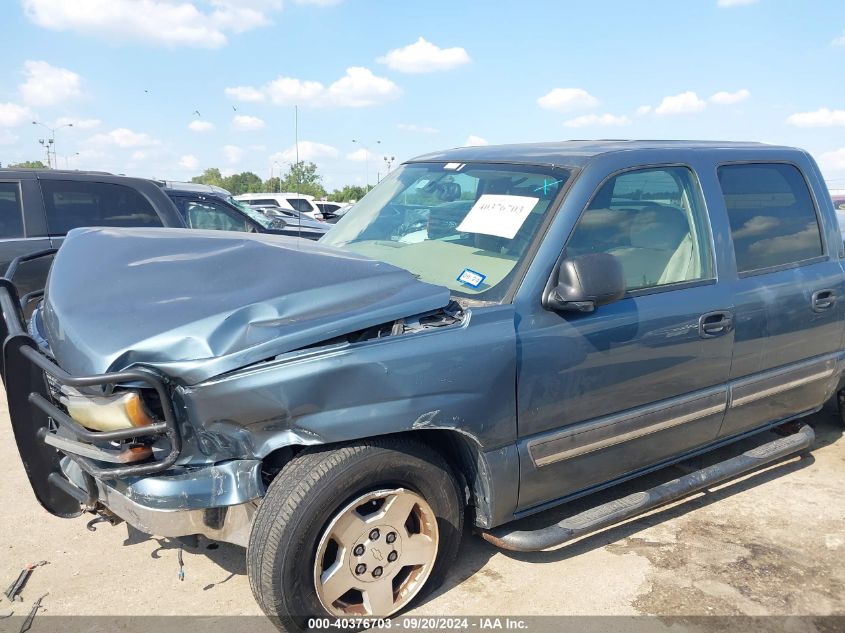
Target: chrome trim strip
750	390
594	435
792	384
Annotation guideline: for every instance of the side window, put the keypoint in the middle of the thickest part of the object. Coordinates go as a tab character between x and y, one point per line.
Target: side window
300	204
11	211
71	204
269	201
651	220
209	215
772	216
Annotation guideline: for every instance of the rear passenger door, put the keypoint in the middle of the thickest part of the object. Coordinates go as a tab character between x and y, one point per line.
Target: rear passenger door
22	231
789	296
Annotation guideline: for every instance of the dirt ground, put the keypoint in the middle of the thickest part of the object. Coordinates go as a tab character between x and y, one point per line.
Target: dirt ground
772	543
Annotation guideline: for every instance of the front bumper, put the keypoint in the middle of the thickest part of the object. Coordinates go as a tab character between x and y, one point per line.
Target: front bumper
217	501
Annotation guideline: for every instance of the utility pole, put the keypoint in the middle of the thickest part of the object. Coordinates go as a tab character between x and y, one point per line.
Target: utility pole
50	143
388	163
366	161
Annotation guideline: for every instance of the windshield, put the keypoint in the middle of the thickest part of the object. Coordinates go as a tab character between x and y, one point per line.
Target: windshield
254	214
465	226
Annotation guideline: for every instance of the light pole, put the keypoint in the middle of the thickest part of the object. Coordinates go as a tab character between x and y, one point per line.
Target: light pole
51	142
366	161
388	163
68	157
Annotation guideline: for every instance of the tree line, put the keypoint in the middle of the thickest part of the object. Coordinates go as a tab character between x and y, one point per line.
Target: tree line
302	177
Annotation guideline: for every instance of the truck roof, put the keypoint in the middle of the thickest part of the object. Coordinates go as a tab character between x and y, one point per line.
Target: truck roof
580	152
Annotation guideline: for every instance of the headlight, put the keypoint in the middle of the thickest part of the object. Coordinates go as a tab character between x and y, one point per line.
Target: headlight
106	413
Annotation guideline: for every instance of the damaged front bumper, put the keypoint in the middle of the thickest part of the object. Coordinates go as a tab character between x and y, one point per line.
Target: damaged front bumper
217	501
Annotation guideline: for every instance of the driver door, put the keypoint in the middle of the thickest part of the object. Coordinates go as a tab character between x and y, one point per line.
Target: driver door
605	394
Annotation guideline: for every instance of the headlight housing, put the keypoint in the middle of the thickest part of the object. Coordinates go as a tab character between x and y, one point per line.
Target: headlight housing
122	410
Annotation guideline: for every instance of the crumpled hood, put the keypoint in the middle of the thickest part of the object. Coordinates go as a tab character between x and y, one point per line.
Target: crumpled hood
200	303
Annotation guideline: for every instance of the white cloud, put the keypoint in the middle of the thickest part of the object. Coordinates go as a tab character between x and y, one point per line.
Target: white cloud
644	110
308	151
839	41
289	91
833	161
189	162
729	98
598	120
823	117
424	57
684	103
139	155
125	138
567	100
79	124
7	138
419	129
474	141
247	123
319	3
245	93
154	22
726	4
47	85
200	126
359	87
12	115
362	155
233	153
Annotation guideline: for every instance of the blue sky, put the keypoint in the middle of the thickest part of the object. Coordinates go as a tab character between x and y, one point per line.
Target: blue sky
131	75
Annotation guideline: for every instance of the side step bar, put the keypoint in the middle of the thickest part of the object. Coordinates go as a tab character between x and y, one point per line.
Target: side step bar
640	502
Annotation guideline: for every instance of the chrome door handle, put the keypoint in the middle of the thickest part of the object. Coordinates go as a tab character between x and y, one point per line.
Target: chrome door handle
712	324
823	300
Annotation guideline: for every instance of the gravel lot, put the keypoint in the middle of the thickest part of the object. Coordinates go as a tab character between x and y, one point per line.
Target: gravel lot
772	543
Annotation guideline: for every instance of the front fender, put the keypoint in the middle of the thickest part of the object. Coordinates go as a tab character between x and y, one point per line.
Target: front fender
459	378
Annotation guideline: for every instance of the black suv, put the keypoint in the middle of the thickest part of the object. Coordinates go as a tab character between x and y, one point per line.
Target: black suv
39	206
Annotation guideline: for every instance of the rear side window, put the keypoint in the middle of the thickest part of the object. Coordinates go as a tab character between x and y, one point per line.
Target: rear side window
772	216
11	213
300	204
71	204
269	201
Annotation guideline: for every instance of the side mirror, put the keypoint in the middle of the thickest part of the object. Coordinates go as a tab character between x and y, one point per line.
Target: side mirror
278	223
585	282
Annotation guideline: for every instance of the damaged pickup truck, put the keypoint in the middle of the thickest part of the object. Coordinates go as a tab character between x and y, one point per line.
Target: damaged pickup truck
490	332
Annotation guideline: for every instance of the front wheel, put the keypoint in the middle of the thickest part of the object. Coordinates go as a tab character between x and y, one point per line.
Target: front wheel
840	401
360	530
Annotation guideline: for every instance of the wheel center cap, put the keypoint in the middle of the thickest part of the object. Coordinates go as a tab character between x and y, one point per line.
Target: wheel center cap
371	559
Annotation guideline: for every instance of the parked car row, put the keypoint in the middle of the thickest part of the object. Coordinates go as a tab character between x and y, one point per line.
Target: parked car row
39	206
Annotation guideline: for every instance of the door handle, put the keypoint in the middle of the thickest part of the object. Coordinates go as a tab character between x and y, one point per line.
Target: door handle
823	300
714	324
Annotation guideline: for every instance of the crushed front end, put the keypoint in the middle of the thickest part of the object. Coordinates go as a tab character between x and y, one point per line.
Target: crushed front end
109	443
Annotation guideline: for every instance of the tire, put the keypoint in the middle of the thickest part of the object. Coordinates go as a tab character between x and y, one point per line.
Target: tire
840	402
309	502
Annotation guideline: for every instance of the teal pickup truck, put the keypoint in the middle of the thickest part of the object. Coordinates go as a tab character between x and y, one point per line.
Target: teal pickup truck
490	332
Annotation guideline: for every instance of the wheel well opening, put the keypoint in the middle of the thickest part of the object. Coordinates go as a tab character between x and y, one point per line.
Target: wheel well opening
460	452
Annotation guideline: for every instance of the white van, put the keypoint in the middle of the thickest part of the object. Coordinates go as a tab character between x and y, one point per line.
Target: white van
296	201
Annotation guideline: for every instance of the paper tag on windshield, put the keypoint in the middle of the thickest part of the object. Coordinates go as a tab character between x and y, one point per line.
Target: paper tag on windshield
497	215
